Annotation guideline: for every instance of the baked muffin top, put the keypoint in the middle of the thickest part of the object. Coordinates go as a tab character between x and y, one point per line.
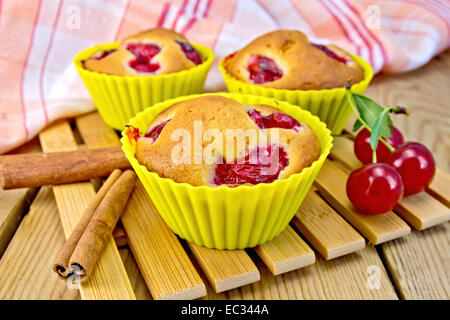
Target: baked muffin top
285	59
150	52
213	140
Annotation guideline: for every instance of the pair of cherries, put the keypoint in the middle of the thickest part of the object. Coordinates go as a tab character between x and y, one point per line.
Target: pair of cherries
377	188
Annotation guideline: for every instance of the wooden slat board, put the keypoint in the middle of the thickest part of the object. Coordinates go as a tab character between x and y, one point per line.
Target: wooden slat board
439	187
26	267
325	229
423	211
420	210
377	229
164	264
137	281
285	253
156	249
13	204
109	279
224	269
420	263
120	237
417	262
341	278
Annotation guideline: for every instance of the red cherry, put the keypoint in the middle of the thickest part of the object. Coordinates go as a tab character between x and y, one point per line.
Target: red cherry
363	151
416	165
374	188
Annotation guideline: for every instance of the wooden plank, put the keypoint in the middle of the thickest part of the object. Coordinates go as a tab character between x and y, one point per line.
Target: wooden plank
377	228
13	204
26	267
440	186
164	264
359	275
109	279
224	269
419	264
95	133
325	229
343	151
120	236
156	249
285	253
136	279
420	210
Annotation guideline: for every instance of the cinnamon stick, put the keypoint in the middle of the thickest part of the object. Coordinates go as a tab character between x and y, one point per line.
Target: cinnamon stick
101	225
38	169
62	260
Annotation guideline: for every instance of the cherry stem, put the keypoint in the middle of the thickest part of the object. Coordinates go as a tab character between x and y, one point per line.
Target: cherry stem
399	110
355	111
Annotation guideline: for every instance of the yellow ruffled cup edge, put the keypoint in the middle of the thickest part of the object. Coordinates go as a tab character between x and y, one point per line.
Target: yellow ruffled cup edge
119	98
306	176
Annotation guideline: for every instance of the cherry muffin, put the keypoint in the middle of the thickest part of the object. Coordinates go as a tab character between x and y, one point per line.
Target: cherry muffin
259	158
154	65
285	65
246	193
285	59
150	52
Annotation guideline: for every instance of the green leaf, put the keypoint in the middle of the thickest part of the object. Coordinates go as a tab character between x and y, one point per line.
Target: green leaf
370	112
357	125
376	130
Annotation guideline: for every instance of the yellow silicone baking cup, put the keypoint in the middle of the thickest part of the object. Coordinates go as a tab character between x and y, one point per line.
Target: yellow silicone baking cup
330	105
224	217
119	98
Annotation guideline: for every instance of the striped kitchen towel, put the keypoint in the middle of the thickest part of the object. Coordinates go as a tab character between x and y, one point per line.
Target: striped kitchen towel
39	38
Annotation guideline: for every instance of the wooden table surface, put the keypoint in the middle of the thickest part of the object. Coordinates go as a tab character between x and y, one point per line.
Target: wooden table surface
412	267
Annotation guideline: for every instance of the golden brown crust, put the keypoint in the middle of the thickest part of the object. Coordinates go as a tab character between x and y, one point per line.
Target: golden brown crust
171	58
216	112
304	66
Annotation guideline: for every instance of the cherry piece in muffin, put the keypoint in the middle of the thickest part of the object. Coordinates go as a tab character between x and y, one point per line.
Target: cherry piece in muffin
332	54
263	69
190	52
144	54
261	165
274	120
156	130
